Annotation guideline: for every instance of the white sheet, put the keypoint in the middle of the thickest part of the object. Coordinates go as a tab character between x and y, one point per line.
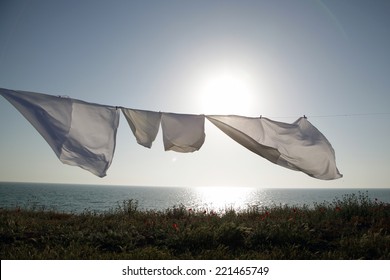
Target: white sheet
298	146
80	133
182	132
144	124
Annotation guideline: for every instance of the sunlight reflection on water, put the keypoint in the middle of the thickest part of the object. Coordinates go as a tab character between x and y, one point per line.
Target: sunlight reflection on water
222	198
78	198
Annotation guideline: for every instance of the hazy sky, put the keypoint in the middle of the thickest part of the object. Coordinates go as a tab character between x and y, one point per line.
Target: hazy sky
280	59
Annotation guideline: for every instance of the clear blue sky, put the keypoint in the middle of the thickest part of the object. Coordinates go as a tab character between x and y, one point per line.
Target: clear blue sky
280	59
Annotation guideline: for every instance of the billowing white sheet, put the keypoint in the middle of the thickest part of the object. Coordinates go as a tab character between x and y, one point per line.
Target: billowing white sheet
182	132
298	146
144	124
80	133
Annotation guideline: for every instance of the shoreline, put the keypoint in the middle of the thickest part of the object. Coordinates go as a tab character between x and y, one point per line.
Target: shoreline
353	227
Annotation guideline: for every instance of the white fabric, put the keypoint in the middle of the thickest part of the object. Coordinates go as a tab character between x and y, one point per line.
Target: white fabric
144	124
84	134
182	132
80	133
298	146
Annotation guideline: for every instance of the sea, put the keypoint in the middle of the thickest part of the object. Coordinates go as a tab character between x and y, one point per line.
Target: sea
72	198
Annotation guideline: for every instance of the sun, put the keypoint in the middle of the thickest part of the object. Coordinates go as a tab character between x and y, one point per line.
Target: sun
226	91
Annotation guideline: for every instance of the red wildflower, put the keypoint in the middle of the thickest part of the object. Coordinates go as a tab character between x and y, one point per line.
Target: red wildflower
264	216
175	226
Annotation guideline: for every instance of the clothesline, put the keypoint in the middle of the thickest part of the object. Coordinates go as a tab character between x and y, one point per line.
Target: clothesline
332	115
279	117
84	134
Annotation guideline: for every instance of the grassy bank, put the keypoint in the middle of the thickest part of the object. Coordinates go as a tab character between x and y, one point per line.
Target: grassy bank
352	227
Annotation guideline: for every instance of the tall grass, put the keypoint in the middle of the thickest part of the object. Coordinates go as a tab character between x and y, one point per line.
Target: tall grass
351	227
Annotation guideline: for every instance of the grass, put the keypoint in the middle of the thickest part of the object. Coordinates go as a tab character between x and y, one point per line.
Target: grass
351	227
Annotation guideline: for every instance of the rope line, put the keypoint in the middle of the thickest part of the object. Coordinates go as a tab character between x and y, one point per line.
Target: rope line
332	116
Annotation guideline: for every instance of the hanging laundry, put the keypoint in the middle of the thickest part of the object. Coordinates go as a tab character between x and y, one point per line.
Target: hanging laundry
182	132
80	133
144	124
84	134
298	146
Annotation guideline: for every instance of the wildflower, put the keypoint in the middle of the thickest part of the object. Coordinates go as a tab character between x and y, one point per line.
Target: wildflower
175	226
264	216
337	209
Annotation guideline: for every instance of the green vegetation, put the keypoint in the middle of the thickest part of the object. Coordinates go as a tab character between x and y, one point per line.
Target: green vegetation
353	227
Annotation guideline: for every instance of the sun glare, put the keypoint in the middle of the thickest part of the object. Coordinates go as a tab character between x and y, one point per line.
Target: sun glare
226	92
222	198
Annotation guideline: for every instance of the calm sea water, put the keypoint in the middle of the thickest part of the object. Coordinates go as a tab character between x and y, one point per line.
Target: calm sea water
79	198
